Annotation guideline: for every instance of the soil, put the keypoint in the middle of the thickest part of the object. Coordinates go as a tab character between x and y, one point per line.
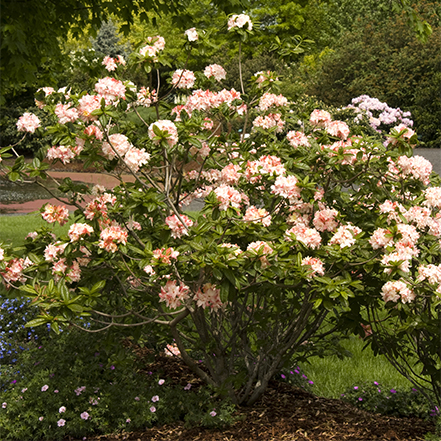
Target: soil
284	413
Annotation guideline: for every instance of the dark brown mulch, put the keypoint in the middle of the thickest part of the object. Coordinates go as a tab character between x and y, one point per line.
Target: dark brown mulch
285	413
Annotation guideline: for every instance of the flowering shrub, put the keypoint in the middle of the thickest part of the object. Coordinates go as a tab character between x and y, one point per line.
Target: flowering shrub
300	217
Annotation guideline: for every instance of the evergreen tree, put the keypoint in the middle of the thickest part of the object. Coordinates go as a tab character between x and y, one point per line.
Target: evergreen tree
107	41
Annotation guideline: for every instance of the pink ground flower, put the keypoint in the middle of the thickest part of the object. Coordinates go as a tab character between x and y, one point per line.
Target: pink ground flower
61	422
183	79
216	71
55	213
28	122
178	228
174	295
84	416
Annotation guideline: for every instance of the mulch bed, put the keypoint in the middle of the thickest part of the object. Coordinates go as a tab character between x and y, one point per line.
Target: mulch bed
284	413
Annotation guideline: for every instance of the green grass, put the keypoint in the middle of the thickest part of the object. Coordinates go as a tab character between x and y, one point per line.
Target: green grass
333	376
14	229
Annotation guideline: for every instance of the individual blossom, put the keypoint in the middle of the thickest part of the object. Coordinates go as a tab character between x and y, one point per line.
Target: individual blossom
395	290
63	153
164	255
2	254
269	121
61	422
310	237
153	409
297	139
316	266
44	388
216	71
179	225
78	231
109	63
172	350
168	128
111	236
213	413
65	113
239	21
257	215
192	34
62	409
261	249
84	416
229	196
118	144
183	79
55	213
208	297
320	118
268	100
155	399
28	122
345	236
324	220
173	295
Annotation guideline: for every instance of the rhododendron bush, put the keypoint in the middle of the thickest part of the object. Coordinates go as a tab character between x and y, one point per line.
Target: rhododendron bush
300	218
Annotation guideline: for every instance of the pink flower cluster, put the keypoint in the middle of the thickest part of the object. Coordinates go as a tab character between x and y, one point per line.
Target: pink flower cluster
239	21
55	213
316	266
155	45
395	290
13	271
261	249
416	166
28	122
297	139
112	63
208	297
345	236
286	187
183	79
192	34
98	207
216	71
78	231
178	228
310	237
86	105
257	215
268	100
66	113
173	295
110	89
229	196
168	128
111	236
406	135
269	121
324	220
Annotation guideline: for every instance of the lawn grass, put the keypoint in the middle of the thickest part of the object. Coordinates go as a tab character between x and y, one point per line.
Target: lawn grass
14	229
332	376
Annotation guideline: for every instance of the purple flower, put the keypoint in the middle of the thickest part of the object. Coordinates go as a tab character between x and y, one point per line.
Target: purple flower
136	398
296	371
283	376
310	382
356	387
45	388
155	398
112	367
61	422
153	409
393	391
376	384
13	381
213	413
161	382
360	399
188	387
84	416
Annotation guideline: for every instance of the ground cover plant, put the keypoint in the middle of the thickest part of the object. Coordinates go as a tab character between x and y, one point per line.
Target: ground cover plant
310	226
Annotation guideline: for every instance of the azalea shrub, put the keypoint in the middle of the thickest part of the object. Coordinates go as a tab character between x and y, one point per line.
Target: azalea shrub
306	224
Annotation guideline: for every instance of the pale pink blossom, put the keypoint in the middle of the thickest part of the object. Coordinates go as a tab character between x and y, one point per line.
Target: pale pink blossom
94	131
380	238
297	139
229	196
324	220
396	260
2	254
216	71
192	34
53	251
136	158
268	100
166	126
261	249
172	350
320	118
65	113
257	215
239	21
86	105
407	134
111	236
286	187
84	416
109	63
61	422
316	266
28	122
416	166
208	297
345	236
78	231
433	197
174	295
394	290
110	89
55	213
230	174
164	255
269	121
430	272
98	207
13	271
118	144
178	226
337	128
310	237
183	79
64	153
